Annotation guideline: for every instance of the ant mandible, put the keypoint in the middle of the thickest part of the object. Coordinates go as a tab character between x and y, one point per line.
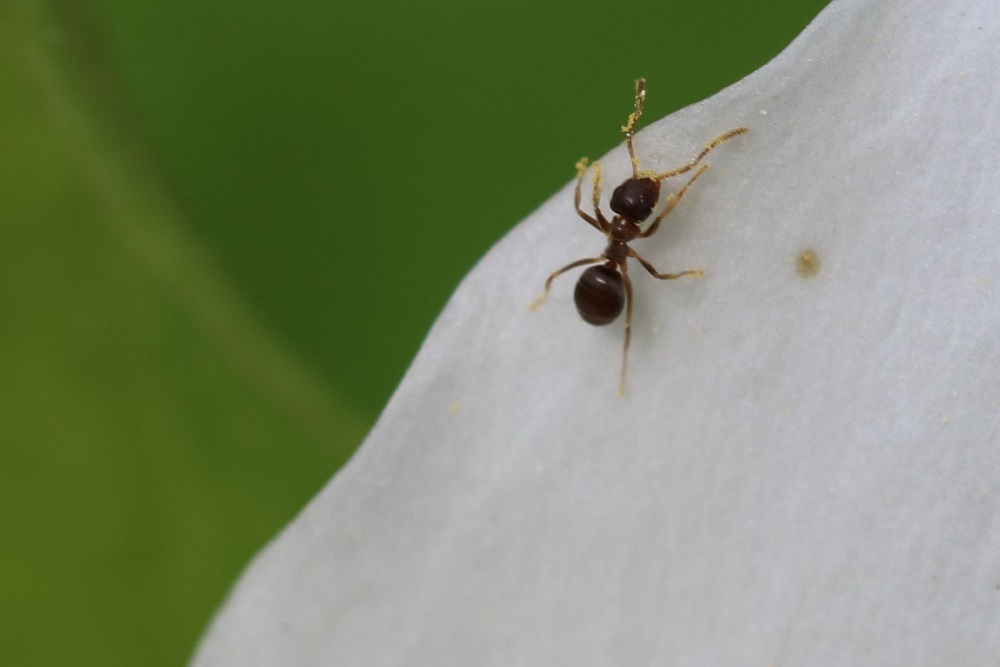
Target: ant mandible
602	291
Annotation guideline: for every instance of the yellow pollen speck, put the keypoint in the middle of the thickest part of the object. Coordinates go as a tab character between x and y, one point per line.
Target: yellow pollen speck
807	263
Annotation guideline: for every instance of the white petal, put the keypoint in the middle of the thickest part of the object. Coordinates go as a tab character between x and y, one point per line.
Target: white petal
805	471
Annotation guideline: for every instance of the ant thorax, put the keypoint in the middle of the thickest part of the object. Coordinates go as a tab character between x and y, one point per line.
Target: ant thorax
622	231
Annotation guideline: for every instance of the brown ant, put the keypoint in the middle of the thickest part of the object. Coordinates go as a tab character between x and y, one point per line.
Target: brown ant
604	290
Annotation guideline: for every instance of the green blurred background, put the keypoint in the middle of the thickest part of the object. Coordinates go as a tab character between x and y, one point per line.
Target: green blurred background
226	229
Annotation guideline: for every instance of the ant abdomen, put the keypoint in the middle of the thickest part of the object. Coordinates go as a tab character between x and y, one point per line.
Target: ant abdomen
635	198
600	295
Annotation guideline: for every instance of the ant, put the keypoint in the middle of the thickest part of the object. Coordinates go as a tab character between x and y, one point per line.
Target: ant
604	290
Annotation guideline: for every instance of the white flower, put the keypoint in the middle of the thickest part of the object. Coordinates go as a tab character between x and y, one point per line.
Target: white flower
805	470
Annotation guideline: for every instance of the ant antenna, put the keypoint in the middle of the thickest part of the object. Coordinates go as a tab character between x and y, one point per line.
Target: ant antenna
721	139
633	119
629	130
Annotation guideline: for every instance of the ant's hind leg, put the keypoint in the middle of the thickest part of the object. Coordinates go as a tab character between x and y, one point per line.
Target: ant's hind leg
697	273
628	327
569	267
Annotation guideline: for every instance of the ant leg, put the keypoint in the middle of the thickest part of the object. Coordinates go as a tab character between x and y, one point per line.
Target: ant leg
697	273
672	202
721	139
597	199
628	326
569	267
633	119
599	222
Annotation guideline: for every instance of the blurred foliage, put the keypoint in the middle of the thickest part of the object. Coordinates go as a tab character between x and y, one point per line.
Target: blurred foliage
349	162
227	227
154	434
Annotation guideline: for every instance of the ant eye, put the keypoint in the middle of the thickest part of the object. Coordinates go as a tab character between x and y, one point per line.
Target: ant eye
635	198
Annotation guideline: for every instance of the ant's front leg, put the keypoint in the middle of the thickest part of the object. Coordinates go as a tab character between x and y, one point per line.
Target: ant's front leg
671	203
597	198
598	223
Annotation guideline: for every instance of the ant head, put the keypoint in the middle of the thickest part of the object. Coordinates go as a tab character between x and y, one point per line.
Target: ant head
636	198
